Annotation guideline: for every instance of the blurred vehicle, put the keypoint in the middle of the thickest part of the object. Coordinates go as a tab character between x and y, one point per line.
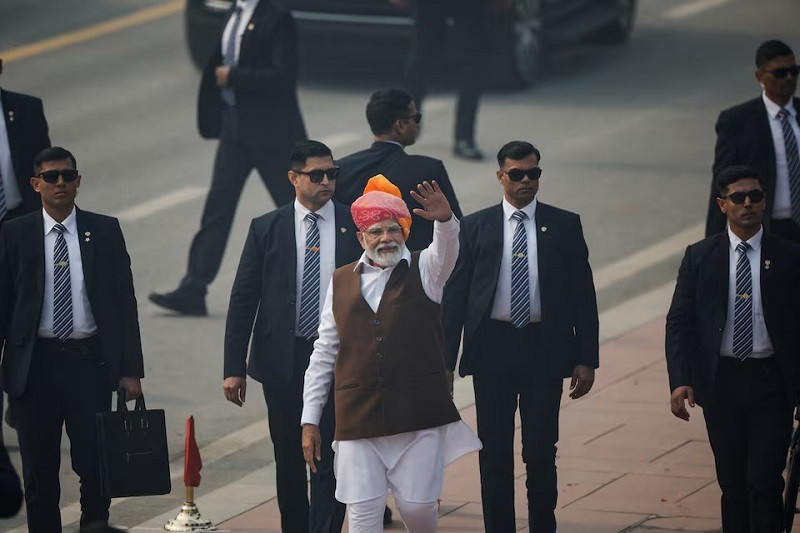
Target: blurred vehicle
522	31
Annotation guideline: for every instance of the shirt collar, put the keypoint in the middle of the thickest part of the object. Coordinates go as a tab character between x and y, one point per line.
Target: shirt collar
326	212
392	142
364	260
70	223
509	210
754	241
773	109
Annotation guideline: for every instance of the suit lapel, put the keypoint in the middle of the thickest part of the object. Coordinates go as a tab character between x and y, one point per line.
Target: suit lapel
719	262
765	265
766	144
37	259
286	235
86	235
263	18
12	120
493	242
542	224
342	235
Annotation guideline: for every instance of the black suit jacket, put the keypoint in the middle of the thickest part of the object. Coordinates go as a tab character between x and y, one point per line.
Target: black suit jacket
402	169
109	286
264	81
264	291
27	136
698	313
744	137
569	326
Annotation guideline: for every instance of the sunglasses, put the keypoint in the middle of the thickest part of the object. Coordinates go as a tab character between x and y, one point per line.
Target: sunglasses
51	176
517	174
416	116
781	73
317	175
756	195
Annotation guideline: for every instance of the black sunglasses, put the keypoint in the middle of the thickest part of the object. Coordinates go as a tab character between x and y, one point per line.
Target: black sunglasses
317	175
416	116
517	174
756	195
51	176
781	73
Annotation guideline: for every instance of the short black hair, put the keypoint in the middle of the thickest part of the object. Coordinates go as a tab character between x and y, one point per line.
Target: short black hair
385	107
770	50
304	149
54	153
730	175
517	150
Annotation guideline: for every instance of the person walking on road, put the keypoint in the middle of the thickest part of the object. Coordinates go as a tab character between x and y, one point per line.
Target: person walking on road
732	347
764	134
286	264
248	100
69	320
523	296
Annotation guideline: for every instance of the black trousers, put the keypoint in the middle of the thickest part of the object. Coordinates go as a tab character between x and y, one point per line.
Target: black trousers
235	159
503	381
430	29
67	385
749	426
285	406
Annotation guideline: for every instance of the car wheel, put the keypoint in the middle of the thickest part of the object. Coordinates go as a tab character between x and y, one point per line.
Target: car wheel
521	52
619	30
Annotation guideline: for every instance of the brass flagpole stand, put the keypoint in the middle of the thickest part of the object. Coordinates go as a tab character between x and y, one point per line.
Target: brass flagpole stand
189	519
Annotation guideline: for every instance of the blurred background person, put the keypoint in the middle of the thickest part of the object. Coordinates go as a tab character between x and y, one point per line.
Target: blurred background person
248	100
763	133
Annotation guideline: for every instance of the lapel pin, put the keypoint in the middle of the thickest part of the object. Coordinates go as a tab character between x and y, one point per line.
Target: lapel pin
11	116
88	234
766	264
543	228
343	230
251	27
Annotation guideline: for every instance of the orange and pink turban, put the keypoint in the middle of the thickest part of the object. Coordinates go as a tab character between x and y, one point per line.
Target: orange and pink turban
381	201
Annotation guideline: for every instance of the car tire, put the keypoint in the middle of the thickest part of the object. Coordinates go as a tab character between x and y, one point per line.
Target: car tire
521	53
619	30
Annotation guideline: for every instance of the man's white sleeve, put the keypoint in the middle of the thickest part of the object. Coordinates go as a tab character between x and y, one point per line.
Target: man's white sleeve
437	261
319	374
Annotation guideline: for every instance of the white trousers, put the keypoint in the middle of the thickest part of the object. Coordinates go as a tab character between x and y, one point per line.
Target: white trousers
367	516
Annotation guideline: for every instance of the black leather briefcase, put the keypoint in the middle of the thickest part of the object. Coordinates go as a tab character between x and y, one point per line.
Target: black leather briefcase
133	450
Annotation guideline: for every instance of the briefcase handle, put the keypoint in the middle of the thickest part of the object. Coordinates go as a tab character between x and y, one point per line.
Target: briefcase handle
121	399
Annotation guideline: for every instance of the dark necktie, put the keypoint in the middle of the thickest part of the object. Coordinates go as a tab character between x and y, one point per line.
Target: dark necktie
520	292
792	163
309	299
229	55
2	195
62	287
743	306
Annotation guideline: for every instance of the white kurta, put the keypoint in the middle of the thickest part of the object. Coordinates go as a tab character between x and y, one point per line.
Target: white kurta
410	464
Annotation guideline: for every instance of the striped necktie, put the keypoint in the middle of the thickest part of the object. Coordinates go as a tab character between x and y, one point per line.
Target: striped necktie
229	55
62	287
520	293
743	306
309	298
792	163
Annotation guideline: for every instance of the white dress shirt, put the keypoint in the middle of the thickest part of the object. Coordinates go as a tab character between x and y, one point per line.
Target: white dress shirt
762	345
411	464
7	174
501	308
782	202
326	223
248	7
83	324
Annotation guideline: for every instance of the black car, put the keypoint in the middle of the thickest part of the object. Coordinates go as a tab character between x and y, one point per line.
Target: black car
522	31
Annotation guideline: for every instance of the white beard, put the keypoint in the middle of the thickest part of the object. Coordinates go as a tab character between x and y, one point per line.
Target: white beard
385	255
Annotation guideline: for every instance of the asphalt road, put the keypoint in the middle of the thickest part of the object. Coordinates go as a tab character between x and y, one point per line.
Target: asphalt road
626	135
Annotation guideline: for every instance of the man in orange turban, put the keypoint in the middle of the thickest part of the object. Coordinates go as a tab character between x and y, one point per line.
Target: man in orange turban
380	335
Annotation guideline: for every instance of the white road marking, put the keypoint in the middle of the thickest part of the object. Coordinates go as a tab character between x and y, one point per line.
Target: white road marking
162	203
647	257
695	8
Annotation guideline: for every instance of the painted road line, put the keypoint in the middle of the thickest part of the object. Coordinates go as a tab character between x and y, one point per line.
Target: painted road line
92	32
150	207
692	9
647	257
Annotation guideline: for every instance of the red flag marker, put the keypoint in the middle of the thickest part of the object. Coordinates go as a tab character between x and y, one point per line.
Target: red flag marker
192	463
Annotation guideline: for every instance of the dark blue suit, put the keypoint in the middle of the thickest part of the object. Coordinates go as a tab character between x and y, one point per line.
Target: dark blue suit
525	365
264	294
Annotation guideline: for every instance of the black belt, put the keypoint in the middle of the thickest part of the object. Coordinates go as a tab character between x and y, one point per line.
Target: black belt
88	348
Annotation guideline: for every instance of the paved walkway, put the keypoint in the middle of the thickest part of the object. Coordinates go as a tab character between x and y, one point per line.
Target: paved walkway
625	464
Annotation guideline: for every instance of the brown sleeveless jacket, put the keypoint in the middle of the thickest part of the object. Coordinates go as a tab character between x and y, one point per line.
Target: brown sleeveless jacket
389	374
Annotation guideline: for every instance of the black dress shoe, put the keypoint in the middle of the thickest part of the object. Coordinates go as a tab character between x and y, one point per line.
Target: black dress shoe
467	150
387	516
180	301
